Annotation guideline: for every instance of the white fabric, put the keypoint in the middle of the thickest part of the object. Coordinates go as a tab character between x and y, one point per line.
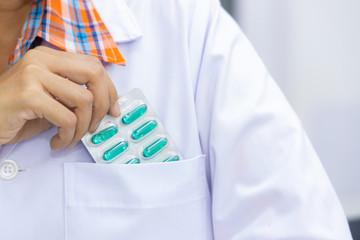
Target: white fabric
250	172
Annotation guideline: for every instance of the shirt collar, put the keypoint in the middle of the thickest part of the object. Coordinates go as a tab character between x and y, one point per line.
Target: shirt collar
75	26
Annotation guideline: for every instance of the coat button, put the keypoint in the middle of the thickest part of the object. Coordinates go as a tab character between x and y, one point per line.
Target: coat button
8	169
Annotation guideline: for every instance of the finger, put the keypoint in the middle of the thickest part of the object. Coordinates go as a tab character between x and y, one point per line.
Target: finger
30	129
73	96
113	97
101	102
58	115
82	69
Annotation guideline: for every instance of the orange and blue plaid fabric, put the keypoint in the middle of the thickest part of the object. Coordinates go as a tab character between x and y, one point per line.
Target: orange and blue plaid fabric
71	25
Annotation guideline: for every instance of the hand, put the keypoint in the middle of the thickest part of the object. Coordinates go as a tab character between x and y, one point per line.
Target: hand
43	89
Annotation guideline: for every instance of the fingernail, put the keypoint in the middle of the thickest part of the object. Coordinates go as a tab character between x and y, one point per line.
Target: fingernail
116	109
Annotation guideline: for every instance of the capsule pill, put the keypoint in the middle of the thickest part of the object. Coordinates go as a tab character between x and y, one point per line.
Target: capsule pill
134	114
115	150
144	129
172	158
155	147
104	135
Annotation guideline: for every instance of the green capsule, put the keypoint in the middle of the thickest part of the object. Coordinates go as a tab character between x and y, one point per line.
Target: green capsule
155	147
144	129
115	150
133	161
172	158
134	114
104	135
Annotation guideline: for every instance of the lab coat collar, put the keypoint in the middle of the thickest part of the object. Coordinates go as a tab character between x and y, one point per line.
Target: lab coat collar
118	19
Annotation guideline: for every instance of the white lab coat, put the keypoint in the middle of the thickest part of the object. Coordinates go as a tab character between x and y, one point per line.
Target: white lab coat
250	171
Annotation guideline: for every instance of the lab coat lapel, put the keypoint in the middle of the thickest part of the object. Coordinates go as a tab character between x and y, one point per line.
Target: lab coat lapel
119	20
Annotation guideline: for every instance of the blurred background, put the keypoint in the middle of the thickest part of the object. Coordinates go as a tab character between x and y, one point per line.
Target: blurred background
312	49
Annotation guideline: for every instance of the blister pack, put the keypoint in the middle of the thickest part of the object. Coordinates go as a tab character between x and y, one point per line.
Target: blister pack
136	136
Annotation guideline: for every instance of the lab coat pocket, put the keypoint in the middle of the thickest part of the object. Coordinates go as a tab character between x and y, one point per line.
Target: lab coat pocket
139	201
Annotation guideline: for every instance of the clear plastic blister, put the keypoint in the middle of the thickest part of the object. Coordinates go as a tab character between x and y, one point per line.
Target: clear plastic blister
136	136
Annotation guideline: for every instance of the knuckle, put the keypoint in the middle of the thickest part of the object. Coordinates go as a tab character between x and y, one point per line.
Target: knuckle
93	59
30	69
70	121
35	55
86	97
97	69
